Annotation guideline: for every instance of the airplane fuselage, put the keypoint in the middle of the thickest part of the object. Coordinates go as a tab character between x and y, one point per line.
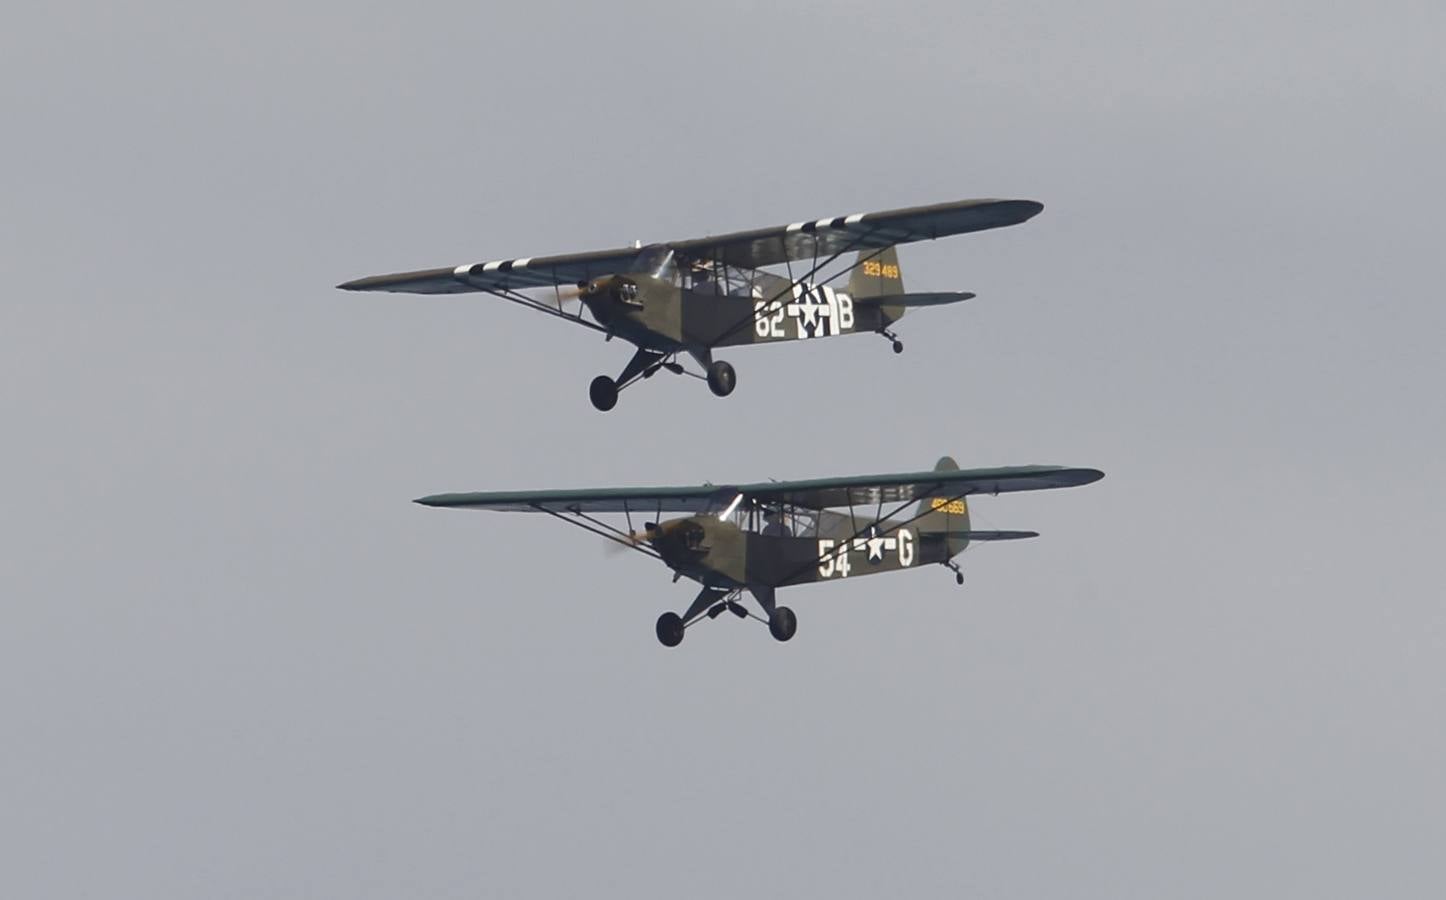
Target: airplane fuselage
720	554
663	316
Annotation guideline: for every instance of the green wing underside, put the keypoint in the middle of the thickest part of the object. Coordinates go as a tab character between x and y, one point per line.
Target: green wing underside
818	493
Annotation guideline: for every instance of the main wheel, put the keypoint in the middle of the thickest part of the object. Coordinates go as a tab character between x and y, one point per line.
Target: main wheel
604	393
670	629
721	378
784	623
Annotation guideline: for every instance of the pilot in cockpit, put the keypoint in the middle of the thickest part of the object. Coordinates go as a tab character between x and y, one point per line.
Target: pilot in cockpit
704	282
773	524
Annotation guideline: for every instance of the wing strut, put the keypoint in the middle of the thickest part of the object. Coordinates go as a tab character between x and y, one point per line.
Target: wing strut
512	295
600	528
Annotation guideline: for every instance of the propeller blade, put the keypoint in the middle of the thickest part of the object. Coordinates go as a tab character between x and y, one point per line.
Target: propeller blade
633	539
616	548
568	294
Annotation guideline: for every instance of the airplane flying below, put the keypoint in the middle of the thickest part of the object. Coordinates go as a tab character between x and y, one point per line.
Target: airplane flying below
695	296
760	537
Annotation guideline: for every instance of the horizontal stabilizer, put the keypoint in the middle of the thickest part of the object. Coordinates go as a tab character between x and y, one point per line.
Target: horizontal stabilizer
992	535
938	299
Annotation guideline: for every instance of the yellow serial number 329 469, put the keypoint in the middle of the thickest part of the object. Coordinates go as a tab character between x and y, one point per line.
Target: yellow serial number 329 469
874	268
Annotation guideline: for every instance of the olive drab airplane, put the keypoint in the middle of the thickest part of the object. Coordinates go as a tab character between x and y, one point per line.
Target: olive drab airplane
761	537
695	296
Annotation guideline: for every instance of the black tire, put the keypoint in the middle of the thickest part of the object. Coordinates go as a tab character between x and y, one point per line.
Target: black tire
898	346
959	578
604	393
670	629
721	378
784	623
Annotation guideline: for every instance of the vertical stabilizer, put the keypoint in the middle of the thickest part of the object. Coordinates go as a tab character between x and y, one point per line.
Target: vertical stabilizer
945	515
877	274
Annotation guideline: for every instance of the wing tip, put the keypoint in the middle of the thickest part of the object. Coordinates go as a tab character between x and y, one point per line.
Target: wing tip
1024	209
1078	477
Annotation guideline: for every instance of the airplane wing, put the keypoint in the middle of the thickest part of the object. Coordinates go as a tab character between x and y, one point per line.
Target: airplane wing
863	490
843	234
587	500
748	249
819	493
508	274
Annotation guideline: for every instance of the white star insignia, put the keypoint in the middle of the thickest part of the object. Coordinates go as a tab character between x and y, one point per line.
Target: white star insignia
809	308
876	544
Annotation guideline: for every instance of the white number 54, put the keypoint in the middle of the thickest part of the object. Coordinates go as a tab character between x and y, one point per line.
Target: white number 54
833	561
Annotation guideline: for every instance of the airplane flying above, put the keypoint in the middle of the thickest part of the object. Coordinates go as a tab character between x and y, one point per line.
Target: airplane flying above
695	296
760	537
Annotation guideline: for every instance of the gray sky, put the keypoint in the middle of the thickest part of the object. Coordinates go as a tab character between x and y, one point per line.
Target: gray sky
235	661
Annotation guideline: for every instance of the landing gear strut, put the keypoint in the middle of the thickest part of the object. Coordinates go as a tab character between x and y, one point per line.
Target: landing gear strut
958	575
898	344
782	623
713	602
603	391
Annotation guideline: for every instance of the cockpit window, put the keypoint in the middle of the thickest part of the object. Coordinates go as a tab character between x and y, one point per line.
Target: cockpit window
657	261
710	277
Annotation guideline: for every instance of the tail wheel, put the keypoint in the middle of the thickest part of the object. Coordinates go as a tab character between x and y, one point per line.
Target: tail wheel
604	393
721	378
784	624
898	346
670	629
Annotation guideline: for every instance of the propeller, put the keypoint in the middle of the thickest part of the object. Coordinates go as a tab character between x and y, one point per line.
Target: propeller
569	293
651	531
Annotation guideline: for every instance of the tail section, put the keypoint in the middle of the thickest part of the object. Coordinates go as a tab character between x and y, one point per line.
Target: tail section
945	517
877	274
